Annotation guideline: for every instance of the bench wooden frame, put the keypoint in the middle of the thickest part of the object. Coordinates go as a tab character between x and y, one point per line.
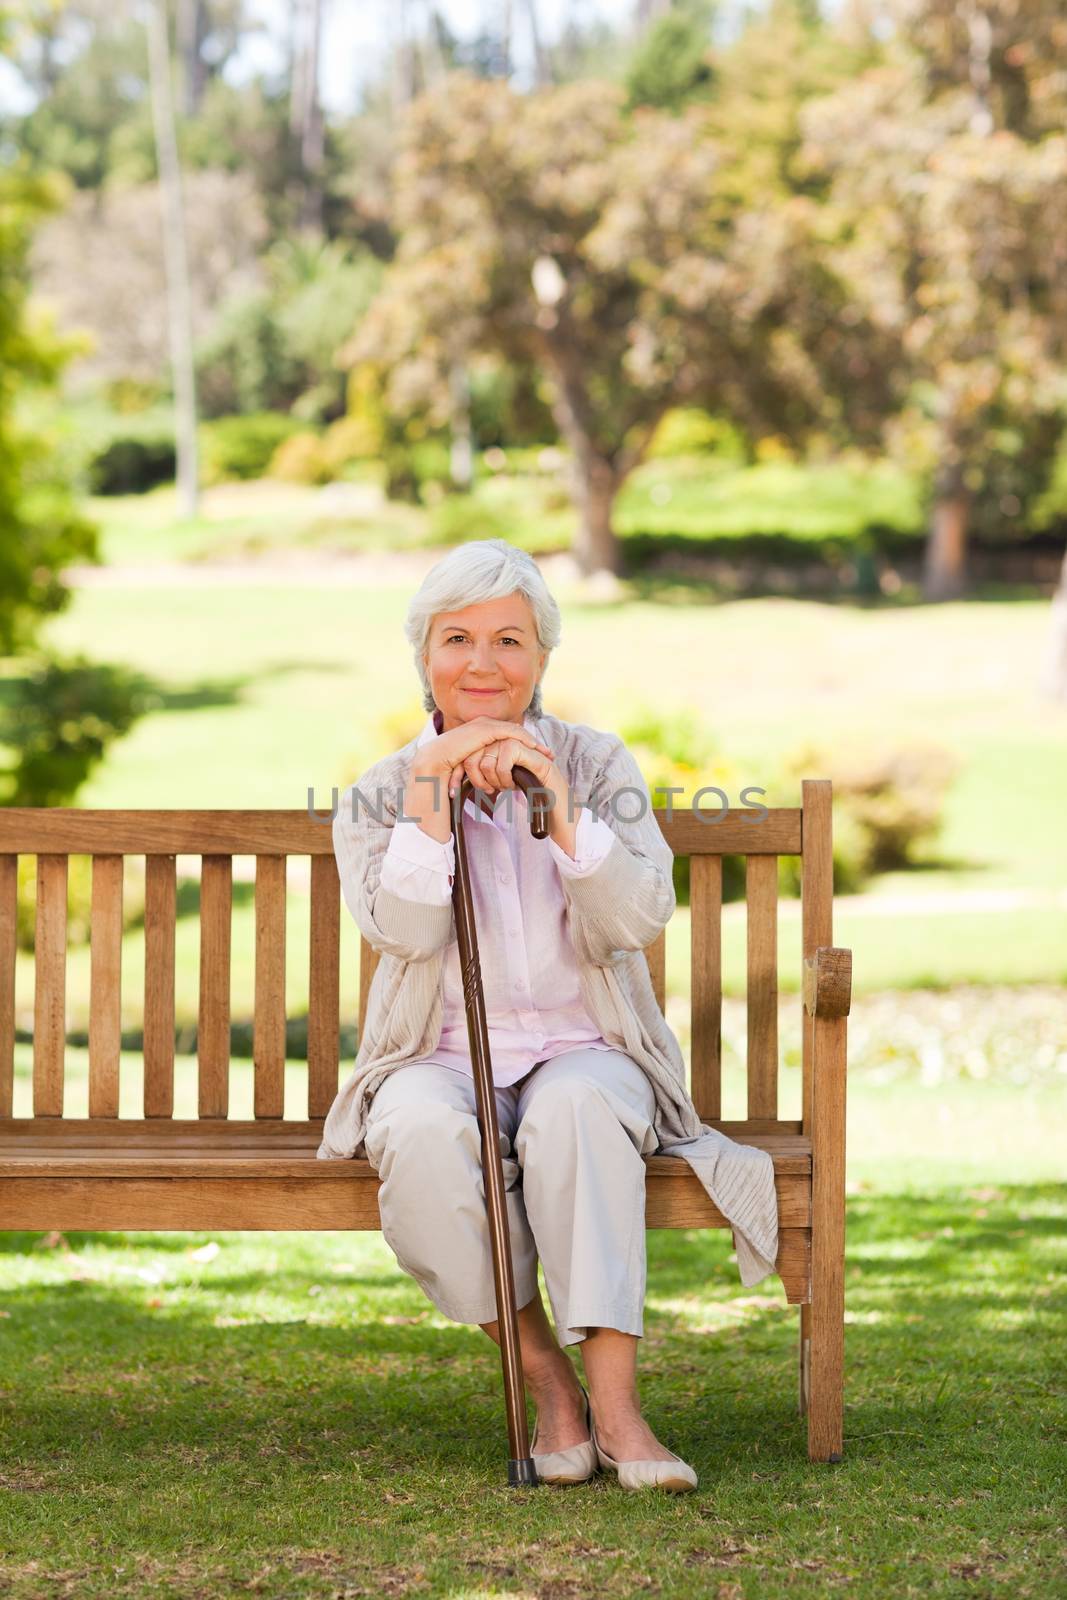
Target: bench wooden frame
221	1174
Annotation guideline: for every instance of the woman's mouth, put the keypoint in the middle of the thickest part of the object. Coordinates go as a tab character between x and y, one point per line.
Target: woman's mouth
483	691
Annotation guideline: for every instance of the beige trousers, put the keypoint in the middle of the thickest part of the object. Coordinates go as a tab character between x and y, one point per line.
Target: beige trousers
572	1134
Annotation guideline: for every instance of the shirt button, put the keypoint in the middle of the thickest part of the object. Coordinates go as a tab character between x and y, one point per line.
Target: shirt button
505	877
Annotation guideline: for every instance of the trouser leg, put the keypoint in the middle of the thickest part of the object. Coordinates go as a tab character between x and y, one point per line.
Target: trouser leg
423	1140
585	1119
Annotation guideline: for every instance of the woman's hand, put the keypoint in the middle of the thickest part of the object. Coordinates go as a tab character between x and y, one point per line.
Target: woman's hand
486	749
491	767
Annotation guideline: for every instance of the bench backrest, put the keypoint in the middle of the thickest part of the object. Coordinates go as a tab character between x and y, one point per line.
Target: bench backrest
54	834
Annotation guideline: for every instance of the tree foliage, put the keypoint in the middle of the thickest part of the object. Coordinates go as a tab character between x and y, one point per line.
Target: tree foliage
41	530
617	254
951	228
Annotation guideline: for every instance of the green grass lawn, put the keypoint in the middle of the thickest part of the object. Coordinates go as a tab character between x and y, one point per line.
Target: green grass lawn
285	1414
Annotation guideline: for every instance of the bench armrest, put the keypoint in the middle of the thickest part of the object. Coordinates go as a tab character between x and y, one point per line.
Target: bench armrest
828	982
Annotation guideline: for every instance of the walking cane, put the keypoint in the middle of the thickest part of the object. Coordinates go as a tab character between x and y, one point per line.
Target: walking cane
521	1469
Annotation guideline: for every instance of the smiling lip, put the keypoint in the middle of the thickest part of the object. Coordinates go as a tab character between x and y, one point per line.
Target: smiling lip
483	691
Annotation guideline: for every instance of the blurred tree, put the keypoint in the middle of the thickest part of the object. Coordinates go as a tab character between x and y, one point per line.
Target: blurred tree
947	214
54	721
274	349
615	253
175	257
670	65
84	62
784	58
74	267
306	122
40	529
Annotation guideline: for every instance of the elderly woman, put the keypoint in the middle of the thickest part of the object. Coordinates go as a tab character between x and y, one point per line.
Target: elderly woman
587	1075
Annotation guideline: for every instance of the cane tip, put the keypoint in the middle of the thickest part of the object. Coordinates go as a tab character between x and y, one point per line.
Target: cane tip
522	1474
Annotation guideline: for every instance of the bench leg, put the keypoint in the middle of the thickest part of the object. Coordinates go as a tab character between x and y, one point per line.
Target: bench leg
823	1328
804	1363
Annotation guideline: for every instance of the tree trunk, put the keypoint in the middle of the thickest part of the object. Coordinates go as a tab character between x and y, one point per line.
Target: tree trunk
313	133
190	29
1054	675
305	110
175	259
945	560
596	485
542	64
596	478
461	463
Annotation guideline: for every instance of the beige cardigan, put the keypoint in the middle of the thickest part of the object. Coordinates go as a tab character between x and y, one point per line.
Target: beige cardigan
613	914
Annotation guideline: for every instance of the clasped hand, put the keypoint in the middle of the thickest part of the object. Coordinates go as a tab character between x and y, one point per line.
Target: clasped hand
485	750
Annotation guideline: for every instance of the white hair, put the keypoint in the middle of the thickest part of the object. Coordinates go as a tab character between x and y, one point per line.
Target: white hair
481	569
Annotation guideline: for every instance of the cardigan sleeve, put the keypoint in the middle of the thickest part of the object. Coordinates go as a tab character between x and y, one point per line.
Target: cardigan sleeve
629	898
412	930
592	841
416	867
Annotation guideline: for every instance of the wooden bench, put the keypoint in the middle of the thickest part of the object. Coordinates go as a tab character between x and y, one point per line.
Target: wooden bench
222	1174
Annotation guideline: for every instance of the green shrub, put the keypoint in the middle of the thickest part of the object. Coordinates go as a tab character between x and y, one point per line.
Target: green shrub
459	517
131	464
244	367
242	446
301	459
58	717
886	803
131	396
677	752
507	405
690	431
430	461
350	439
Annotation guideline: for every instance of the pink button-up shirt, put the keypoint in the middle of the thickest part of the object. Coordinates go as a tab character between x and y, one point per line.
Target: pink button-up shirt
533	1003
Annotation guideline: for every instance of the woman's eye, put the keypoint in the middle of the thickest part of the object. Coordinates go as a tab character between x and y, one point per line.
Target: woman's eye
454	636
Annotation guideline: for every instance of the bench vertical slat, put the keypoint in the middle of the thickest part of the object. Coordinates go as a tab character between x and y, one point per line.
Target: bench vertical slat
656	958
324	985
761	906
9	876
160	915
816	898
368	963
50	985
105	986
268	1023
213	1027
705	954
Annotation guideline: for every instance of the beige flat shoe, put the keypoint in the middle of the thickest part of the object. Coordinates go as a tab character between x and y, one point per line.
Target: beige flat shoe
576	1464
675	1474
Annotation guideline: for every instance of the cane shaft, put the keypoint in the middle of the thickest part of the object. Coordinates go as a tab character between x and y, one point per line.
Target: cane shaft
521	1469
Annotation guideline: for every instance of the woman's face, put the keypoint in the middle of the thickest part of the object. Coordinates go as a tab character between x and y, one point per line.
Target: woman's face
484	661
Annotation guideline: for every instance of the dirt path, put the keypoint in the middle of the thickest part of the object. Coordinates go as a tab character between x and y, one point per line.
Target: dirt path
383	569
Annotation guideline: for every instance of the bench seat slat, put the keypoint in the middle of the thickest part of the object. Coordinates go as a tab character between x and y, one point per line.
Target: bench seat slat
35	1158
209	1133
